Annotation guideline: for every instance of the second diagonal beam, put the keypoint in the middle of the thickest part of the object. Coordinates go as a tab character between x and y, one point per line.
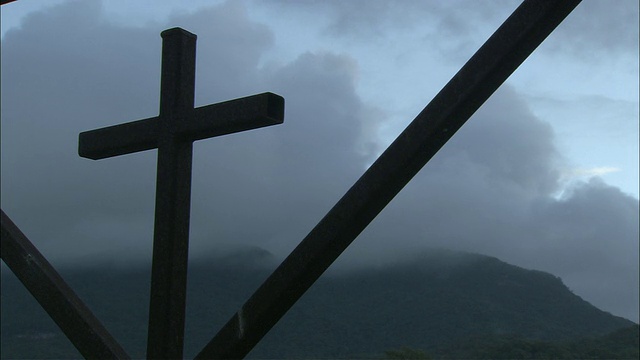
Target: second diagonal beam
476	81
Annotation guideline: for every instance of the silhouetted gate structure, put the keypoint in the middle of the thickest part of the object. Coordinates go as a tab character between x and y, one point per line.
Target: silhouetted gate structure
173	132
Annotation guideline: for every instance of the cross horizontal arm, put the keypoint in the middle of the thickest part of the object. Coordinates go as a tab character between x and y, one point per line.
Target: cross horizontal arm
492	64
120	139
73	317
251	112
224	118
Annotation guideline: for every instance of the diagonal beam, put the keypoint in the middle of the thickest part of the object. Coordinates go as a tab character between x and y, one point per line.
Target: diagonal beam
492	64
73	317
223	118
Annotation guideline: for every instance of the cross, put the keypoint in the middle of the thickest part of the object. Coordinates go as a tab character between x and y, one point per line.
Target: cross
173	133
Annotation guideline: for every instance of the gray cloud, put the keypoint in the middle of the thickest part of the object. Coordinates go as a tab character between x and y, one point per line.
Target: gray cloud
477	191
609	25
377	17
491	189
57	85
590	237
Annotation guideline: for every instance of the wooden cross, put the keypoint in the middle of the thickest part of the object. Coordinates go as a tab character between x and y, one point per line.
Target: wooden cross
173	133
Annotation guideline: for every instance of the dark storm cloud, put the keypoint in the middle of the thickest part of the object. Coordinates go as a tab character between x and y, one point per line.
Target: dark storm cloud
60	82
494	189
491	189
282	180
476	191
229	50
590	236
65	71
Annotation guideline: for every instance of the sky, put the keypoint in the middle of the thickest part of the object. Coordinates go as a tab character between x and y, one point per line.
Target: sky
544	176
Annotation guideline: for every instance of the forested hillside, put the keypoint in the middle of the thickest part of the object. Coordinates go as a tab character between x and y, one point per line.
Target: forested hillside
440	302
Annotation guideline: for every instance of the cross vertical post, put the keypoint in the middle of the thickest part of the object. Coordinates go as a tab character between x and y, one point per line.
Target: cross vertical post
173	199
173	133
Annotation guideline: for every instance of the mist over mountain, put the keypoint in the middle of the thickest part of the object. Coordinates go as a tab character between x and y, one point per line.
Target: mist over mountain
433	301
507	184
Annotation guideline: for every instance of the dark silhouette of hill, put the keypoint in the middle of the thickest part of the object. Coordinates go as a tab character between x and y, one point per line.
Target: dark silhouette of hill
620	344
433	302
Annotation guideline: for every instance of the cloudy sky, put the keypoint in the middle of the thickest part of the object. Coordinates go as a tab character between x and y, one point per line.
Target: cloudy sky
544	175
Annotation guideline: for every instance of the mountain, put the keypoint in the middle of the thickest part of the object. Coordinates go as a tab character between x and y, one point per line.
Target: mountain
620	344
433	302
